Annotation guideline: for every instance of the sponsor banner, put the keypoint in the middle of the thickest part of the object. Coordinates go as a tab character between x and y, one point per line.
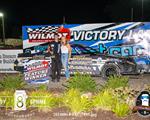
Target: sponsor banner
84	65
123	39
37	71
95	41
7	59
46	33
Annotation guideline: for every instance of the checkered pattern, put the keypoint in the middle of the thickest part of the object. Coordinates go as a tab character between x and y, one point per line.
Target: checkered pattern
46	29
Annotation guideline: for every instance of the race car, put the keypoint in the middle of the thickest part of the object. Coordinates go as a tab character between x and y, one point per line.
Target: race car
87	60
108	65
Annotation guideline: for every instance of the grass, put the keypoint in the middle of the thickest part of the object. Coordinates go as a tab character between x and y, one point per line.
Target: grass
104	100
8	97
109	98
43	100
116	82
121	109
12	82
82	82
75	102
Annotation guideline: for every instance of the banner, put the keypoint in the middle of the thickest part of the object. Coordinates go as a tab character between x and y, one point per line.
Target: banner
126	36
97	44
7	59
37	71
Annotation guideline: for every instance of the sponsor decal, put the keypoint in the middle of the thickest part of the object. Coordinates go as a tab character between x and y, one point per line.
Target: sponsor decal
20	100
36	70
47	33
143	104
98	35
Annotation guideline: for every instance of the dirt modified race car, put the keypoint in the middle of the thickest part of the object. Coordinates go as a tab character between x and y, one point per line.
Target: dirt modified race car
87	60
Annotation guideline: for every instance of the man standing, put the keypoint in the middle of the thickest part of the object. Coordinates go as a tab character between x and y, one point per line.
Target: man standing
55	50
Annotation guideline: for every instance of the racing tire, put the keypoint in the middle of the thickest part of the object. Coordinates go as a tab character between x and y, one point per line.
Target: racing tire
110	69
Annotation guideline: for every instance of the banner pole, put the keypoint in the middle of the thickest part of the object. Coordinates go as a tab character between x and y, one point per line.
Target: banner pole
64	20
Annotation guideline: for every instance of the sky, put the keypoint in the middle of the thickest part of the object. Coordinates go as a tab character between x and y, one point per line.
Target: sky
42	12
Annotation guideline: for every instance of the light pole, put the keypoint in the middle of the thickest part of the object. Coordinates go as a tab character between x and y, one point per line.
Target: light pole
142	10
132	14
3	29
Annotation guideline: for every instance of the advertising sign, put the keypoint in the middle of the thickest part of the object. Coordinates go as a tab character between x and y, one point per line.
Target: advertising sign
37	71
126	44
7	59
143	104
112	38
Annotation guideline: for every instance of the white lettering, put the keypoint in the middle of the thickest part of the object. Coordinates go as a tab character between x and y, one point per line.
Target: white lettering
77	35
103	35
33	36
88	35
112	35
120	34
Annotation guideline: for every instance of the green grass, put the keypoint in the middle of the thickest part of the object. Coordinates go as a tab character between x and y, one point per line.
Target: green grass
8	96
112	96
10	82
121	109
75	102
104	100
42	87
48	100
82	82
116	82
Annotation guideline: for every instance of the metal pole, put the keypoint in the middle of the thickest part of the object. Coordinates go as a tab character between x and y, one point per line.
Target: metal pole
131	14
3	29
142	10
64	20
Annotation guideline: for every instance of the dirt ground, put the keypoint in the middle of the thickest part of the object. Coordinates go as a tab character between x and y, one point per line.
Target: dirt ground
64	114
136	82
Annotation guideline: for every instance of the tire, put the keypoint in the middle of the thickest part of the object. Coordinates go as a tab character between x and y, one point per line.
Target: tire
110	69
